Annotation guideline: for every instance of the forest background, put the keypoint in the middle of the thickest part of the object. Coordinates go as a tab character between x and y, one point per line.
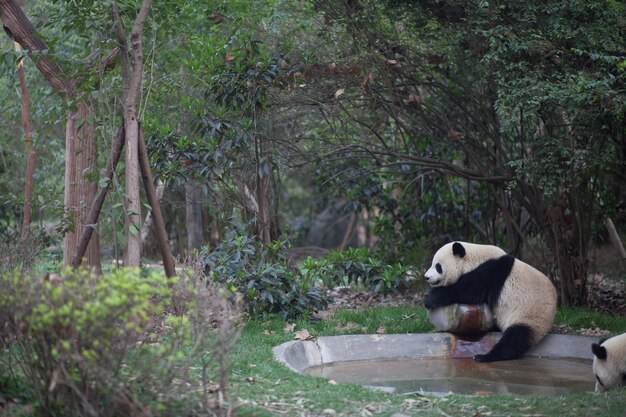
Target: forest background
293	127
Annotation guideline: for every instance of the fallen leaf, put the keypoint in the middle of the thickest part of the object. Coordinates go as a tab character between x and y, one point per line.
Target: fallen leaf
216	18
454	134
332	382
339	92
484	393
249	379
268	332
392	62
414	100
348	326
229	58
289	327
302	335
367	80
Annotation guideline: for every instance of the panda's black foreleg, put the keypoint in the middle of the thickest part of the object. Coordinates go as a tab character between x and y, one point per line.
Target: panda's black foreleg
515	341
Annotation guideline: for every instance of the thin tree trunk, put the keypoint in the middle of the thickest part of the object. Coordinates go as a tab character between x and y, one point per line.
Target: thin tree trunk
132	255
193	215
347	236
615	239
149	220
168	259
28	144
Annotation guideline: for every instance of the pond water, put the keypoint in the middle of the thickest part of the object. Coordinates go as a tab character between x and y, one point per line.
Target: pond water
532	376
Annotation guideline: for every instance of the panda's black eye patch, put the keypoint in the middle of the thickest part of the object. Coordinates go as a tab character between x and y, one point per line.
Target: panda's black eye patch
439	268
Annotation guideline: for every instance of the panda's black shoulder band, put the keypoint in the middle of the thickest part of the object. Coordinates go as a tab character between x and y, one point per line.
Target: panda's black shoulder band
483	284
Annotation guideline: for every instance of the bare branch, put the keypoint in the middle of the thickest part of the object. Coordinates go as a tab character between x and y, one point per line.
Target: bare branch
137	48
123	45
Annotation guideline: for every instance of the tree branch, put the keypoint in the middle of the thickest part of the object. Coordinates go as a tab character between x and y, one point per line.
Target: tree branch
137	48
21	30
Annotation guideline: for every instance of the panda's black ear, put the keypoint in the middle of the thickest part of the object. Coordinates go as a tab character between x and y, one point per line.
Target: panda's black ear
599	351
458	250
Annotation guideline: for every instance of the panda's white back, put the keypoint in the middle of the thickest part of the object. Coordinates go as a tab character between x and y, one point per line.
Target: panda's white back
528	297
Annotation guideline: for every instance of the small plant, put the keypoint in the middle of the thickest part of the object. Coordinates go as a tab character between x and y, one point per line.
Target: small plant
20	252
356	266
260	275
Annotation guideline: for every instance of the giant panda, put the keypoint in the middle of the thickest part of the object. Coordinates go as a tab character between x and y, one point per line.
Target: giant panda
609	362
522	299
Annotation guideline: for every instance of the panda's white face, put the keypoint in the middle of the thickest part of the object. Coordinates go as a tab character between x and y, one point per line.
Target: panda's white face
609	363
446	267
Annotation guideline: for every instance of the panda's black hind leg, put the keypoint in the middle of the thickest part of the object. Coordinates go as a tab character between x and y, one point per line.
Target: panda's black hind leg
515	341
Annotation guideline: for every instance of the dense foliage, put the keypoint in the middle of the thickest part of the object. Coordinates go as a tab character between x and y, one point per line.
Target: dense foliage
262	277
522	100
486	121
356	267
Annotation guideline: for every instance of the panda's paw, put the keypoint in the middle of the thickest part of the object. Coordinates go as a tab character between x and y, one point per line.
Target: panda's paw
430	302
482	358
434	299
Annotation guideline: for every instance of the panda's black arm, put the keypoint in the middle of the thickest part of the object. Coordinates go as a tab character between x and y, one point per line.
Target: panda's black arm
481	285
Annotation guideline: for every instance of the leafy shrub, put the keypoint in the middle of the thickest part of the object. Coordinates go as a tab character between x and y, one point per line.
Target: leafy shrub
261	276
17	251
356	266
105	345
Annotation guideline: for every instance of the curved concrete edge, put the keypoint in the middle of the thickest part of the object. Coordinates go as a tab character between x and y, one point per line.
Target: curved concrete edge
301	355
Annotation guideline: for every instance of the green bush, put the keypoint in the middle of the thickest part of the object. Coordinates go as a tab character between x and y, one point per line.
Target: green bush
69	333
260	275
356	266
88	345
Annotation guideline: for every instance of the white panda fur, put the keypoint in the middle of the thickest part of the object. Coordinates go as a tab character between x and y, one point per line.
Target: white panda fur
522	299
609	362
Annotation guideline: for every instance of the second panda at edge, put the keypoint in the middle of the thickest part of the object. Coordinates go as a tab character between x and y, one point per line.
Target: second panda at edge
522	299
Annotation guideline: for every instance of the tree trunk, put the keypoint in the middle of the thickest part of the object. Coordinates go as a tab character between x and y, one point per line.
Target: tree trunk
347	236
193	215
615	239
132	75
132	254
28	145
570	251
80	189
149	220
159	225
96	207
80	152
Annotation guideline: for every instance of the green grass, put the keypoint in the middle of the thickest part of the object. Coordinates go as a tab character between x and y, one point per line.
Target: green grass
260	386
279	391
583	318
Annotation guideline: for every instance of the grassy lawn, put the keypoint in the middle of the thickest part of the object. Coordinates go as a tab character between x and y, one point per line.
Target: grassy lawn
262	387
